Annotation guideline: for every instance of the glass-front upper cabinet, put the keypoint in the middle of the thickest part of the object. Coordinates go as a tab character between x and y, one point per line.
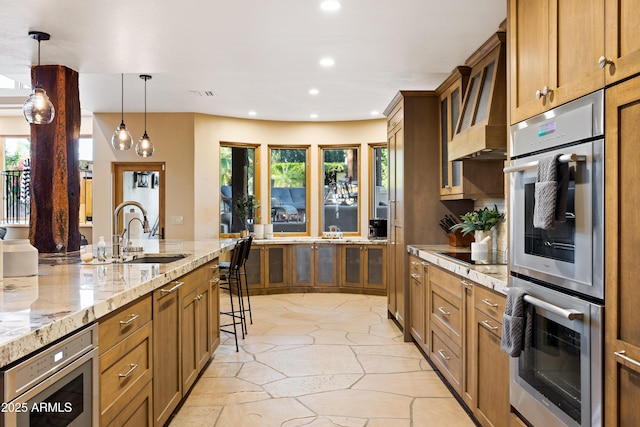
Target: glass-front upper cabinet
289	197
379	181
339	177
238	188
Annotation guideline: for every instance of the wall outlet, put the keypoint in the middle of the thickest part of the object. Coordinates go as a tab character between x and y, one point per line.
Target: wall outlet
177	219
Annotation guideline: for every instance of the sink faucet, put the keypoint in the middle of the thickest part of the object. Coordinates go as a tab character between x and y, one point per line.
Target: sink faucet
116	235
126	243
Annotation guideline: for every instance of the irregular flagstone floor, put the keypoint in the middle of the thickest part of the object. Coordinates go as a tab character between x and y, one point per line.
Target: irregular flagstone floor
319	360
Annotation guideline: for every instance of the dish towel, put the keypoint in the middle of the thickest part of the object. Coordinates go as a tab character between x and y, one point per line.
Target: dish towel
550	194
517	323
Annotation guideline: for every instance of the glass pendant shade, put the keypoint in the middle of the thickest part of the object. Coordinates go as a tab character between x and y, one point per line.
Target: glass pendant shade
38	109
144	147
122	139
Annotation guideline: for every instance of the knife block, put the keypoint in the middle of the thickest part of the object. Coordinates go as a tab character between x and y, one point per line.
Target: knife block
457	239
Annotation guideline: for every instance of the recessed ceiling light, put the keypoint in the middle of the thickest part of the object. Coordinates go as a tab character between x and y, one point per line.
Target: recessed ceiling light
327	62
375	113
313	91
252	113
330	5
313	116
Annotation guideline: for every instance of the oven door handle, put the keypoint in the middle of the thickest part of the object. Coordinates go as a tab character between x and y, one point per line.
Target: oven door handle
565	158
567	313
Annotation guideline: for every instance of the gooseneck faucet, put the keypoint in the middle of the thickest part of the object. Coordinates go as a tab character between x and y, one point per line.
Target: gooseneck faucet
116	235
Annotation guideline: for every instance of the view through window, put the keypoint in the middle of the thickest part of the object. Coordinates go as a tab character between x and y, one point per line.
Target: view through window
288	196
238	193
340	195
379	182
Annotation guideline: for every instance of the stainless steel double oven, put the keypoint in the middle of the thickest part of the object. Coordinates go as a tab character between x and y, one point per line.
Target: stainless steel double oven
558	382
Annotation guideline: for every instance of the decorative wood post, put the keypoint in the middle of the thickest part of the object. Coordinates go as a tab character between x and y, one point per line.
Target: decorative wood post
55	180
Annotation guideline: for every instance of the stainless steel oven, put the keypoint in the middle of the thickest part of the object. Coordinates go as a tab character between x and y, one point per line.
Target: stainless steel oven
55	387
569	256
558	381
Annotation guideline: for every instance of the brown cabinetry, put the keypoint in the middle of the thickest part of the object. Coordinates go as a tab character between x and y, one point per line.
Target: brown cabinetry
491	364
622	324
126	365
363	267
462	179
315	265
548	66
167	384
622	38
266	268
412	131
419	295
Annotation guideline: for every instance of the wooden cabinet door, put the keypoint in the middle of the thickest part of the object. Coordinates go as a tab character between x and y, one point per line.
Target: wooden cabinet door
374	267
303	264
255	268
622	323
167	385
351	267
574	69
214	313
469	375
416	299
274	266
325	267
189	338
529	56
622	39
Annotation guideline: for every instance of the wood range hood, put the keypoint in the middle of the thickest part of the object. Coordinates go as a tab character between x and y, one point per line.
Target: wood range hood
481	131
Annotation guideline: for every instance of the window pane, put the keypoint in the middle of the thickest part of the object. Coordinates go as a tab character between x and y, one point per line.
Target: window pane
340	196
16	181
289	201
237	188
380	183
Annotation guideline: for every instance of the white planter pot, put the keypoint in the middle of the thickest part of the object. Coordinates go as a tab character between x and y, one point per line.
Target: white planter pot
20	258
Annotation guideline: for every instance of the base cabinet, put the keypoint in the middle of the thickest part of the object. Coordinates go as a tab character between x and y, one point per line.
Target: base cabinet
314	265
419	295
363	267
266	268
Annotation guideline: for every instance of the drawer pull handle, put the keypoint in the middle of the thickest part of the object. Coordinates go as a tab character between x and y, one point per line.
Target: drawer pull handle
622	355
132	317
415	275
134	366
443	355
175	288
415	263
489	303
215	266
443	311
425	263
466	284
487	325
215	280
198	298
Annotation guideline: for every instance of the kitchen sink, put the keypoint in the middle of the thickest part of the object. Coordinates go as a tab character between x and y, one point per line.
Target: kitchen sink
158	258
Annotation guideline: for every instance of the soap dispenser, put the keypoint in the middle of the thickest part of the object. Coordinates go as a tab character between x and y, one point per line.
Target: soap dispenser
102	249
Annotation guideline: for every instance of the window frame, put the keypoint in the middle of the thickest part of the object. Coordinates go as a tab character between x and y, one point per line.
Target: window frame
256	178
372	183
307	222
321	195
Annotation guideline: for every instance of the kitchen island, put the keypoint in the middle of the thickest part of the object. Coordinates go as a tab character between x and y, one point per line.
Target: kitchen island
68	294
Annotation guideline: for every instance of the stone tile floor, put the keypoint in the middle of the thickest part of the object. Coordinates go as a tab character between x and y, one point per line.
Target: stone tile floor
320	360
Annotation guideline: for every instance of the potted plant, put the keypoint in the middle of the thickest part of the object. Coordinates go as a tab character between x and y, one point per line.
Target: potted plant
245	209
479	221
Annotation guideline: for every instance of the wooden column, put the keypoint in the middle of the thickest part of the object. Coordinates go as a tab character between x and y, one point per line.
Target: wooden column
55	180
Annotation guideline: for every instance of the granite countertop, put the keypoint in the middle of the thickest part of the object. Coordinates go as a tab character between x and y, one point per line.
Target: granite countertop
68	294
349	240
491	276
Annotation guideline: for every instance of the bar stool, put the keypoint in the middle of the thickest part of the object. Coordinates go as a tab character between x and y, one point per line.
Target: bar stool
230	281
245	256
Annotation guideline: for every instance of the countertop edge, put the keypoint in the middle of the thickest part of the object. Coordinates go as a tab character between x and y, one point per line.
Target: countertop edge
490	276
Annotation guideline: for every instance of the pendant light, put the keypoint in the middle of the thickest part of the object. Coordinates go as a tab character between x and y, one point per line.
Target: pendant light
144	147
38	109
122	139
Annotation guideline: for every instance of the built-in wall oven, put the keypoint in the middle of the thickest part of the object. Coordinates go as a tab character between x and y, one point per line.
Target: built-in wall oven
56	387
558	381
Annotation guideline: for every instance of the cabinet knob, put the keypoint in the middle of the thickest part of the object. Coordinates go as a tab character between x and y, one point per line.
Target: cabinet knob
544	92
603	62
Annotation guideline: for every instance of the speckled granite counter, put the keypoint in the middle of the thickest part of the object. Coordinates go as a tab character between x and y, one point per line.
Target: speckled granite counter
67	294
492	276
303	240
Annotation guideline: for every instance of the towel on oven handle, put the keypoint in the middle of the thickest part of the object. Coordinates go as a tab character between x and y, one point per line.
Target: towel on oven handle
550	194
517	323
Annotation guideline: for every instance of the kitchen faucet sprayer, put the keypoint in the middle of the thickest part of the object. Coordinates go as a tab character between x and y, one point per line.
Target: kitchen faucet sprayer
116	235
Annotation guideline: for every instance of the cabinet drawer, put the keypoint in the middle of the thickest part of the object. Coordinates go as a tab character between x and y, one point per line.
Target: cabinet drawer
117	326
416	269
446	314
448	282
489	323
446	354
489	302
124	370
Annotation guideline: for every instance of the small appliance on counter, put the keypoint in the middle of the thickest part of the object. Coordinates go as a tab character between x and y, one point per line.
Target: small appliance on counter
377	228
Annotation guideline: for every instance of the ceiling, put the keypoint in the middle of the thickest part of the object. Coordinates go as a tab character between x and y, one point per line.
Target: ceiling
249	55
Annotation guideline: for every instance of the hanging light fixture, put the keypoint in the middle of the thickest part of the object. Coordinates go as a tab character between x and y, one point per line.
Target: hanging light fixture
144	147
38	109
122	139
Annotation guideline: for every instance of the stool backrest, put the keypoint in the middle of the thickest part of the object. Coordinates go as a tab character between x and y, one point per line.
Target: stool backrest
246	249
236	255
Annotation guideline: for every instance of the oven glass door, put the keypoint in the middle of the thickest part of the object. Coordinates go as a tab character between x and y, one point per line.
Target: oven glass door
570	255
68	398
557	382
